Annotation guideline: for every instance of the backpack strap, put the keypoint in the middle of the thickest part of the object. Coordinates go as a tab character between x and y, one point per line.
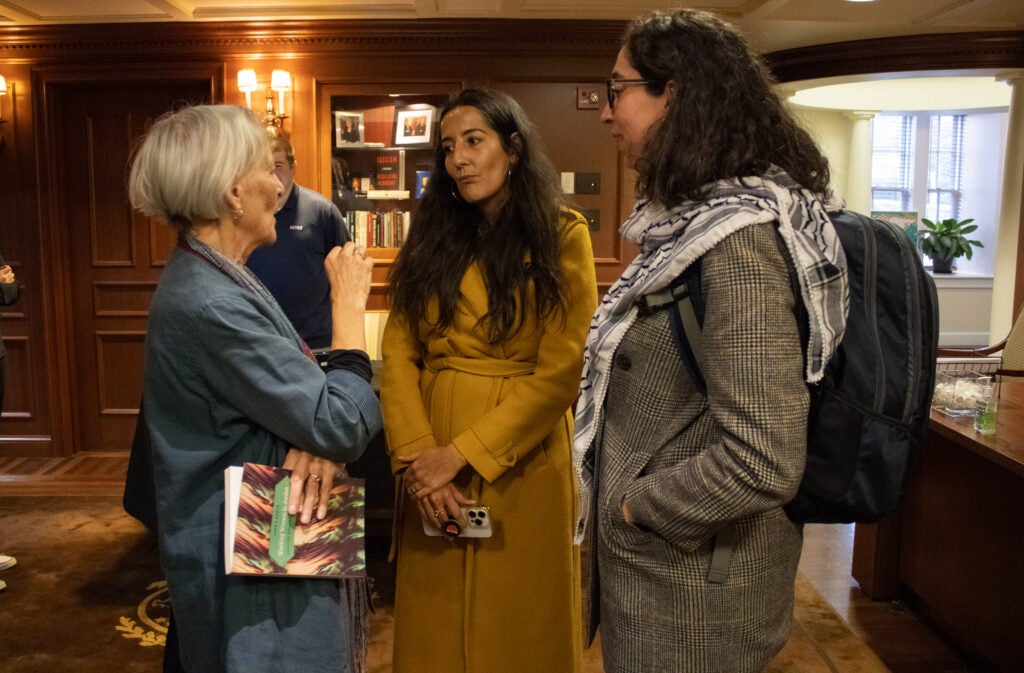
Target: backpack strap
685	295
686	320
722	554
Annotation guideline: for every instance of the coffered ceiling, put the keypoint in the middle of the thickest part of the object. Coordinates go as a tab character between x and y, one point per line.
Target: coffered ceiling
771	25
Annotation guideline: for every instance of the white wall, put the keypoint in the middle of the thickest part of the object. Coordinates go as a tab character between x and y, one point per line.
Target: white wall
965	308
985	145
831	129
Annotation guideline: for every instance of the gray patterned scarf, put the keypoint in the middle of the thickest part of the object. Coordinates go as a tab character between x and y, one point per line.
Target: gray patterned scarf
672	239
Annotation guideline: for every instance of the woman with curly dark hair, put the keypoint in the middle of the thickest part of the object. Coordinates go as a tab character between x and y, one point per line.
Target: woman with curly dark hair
685	480
492	295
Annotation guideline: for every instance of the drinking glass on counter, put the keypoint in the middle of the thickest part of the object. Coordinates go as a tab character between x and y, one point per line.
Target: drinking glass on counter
986	408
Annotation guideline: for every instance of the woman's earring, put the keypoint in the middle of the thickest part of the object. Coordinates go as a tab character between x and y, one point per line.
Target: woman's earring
455	194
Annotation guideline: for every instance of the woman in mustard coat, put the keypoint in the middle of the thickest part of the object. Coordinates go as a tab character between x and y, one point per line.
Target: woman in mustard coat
492	298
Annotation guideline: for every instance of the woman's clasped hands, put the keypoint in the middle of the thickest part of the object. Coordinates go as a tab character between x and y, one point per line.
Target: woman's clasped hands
428	479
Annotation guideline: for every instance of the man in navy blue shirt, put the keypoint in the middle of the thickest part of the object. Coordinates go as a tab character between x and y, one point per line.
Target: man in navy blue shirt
308	226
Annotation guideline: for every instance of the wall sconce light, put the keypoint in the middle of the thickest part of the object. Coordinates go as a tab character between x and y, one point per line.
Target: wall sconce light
281	82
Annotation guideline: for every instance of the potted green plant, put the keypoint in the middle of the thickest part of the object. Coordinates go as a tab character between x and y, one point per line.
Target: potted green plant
946	240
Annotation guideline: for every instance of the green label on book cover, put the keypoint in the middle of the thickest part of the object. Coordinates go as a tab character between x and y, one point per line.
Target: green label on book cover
282	525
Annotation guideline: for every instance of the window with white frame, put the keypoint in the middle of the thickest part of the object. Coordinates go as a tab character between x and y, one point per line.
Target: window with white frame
892	162
941	166
945	166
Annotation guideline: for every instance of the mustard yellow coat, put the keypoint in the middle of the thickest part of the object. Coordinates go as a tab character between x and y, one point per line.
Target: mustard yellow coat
510	602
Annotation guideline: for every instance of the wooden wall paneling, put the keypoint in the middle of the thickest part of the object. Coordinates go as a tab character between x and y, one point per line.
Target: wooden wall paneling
47	64
162	240
92	117
25	426
578	143
18	388
907	53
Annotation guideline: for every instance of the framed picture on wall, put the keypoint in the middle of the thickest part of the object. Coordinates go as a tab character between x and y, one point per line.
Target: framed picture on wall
348	128
414	125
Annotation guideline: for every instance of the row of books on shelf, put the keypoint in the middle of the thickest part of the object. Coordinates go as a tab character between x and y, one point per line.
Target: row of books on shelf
378	229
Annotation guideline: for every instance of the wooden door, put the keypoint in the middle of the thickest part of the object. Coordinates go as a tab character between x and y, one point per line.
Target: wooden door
115	255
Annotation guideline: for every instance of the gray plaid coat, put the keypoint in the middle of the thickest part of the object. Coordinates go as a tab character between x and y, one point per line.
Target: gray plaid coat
687	465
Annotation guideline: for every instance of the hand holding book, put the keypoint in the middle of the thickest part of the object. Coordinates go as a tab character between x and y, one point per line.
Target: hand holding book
309	474
261	537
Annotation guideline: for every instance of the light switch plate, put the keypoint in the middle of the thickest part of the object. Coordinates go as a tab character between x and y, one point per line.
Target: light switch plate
568	183
587	183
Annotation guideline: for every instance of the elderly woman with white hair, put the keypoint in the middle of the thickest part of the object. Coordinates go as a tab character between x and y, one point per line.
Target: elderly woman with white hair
228	381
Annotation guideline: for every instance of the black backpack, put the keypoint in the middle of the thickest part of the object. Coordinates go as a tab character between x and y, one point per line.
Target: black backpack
868	413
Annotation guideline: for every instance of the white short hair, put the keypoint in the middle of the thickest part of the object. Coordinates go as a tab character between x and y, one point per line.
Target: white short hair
189	160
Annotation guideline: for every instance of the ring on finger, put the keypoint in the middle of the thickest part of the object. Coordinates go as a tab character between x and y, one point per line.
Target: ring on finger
315	477
438	513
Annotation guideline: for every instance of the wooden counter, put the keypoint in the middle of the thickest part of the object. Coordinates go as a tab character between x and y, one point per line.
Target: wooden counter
956	547
1006	447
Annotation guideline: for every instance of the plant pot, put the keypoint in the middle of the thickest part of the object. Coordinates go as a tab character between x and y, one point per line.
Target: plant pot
942	266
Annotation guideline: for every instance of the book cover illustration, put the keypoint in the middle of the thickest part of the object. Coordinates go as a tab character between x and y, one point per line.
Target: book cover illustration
387	171
261	538
907	221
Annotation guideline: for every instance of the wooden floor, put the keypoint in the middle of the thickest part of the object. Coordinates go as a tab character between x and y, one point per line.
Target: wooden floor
891	629
88	473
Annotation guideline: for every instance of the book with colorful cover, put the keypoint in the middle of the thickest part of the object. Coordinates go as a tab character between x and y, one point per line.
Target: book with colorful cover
422	177
905	220
261	538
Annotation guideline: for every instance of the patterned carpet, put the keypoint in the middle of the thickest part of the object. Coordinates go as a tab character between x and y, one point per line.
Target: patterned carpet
87	596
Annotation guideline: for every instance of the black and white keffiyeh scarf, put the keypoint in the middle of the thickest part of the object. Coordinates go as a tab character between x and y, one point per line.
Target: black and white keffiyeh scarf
672	239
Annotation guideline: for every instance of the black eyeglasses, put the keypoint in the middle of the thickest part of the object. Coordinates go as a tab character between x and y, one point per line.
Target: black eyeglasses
614	93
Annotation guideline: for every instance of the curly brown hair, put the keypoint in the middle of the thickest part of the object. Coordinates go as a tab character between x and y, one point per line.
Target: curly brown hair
724	119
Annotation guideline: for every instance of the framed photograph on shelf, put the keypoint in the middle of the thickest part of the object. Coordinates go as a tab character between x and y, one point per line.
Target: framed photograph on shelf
414	125
348	128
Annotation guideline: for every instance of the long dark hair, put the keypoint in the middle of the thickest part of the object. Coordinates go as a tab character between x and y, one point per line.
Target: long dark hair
724	119
448	234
